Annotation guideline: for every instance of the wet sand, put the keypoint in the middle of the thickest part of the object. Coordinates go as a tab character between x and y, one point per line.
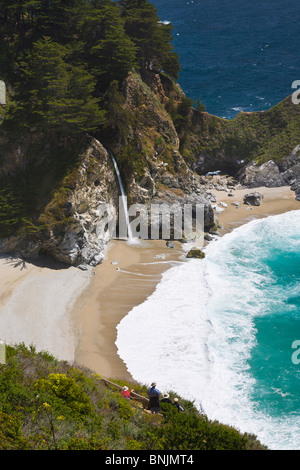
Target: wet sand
127	276
112	294
73	314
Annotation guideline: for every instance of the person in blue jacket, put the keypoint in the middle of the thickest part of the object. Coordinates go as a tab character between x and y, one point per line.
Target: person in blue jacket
153	395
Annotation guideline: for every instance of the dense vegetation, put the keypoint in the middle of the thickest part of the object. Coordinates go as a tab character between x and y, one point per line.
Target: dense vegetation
259	136
59	58
46	404
63	63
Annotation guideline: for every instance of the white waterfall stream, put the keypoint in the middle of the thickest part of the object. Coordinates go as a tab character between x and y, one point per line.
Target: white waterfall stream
123	195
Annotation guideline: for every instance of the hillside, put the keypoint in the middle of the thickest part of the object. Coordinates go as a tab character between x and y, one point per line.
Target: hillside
84	79
69	100
46	404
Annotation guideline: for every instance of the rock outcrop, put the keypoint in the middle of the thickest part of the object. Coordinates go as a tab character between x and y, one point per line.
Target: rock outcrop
196	253
285	172
267	174
253	199
77	236
290	168
161	162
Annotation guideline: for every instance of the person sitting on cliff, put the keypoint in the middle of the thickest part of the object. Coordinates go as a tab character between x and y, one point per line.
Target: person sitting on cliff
179	407
153	395
166	399
126	393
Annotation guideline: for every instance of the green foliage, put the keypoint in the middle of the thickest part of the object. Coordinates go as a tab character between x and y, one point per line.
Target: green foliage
190	431
10	433
119	121
260	136
25	195
53	94
46	404
110	52
64	63
10	211
58	389
106	38
151	37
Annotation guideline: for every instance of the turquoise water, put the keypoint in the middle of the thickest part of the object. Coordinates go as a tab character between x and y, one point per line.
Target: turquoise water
235	55
260	267
277	377
228	323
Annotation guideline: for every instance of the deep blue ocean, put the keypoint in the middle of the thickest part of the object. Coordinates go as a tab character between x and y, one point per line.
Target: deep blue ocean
225	332
235	54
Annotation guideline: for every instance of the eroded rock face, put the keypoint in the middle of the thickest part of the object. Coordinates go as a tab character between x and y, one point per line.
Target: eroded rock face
290	168
267	174
82	238
285	172
95	196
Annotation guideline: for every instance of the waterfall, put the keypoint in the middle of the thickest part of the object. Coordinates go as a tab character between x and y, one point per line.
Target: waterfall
123	194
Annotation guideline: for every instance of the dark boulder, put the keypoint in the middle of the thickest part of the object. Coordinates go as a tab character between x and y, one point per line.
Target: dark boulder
196	253
254	199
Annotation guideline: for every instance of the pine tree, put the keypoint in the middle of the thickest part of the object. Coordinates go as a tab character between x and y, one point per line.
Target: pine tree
54	94
109	52
152	37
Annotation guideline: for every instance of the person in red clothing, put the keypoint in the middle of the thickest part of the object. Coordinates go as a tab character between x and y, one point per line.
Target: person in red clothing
126	393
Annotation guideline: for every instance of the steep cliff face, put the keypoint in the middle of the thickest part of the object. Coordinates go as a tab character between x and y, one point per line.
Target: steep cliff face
70	227
157	173
52	193
65	220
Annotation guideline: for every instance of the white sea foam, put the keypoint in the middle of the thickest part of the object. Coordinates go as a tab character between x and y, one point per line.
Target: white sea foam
195	333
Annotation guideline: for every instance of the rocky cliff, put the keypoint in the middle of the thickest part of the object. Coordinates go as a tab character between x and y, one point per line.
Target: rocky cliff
70	226
54	191
64	216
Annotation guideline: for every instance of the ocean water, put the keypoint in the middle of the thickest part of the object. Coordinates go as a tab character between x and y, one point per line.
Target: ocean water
235	55
221	331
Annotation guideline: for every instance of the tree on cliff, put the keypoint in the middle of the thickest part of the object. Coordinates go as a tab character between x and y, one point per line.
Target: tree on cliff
51	93
152	37
107	49
59	56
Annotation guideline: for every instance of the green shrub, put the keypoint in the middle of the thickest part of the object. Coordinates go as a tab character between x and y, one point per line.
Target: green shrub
46	404
63	391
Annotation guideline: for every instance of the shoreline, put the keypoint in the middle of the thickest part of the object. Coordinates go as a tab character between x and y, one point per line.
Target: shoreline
127	276
275	201
74	314
113	294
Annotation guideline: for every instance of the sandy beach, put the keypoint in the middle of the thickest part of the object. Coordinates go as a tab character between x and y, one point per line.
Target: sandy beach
36	302
73	314
275	201
127	276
